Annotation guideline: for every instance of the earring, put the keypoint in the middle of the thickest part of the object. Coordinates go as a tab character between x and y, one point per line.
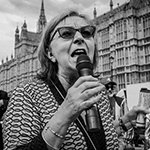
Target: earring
51	57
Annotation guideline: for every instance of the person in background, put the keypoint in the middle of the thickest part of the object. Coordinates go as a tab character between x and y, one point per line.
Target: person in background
3	106
111	88
4	99
47	112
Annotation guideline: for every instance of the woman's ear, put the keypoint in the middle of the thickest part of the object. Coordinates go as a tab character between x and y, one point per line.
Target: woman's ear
51	57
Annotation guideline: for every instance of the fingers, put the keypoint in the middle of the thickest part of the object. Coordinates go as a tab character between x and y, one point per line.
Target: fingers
141	109
87	82
88	93
90	87
82	95
93	100
84	79
87	87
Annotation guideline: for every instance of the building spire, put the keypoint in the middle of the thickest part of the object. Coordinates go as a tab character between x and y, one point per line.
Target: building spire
24	25
17	35
111	5
42	19
95	12
24	31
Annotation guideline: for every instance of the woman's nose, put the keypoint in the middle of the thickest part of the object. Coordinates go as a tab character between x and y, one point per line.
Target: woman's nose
78	38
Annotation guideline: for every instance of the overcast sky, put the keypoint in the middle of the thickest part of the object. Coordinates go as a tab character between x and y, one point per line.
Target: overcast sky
14	12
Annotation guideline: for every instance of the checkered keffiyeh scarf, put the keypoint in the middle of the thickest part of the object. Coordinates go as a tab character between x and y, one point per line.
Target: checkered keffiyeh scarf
36	99
107	121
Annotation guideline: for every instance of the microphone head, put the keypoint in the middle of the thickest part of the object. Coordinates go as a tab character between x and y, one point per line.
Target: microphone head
84	65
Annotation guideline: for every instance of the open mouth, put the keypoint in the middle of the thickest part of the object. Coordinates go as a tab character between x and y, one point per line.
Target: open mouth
78	52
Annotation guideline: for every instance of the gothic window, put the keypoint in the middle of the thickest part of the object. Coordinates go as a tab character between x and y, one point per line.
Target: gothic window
105	38
146	25
125	29
119	30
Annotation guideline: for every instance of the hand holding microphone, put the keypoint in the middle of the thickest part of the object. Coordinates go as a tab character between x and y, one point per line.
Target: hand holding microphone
85	67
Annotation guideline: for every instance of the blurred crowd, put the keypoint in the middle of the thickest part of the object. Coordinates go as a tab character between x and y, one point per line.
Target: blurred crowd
135	137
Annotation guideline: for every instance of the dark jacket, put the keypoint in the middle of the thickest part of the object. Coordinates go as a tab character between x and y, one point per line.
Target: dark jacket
5	98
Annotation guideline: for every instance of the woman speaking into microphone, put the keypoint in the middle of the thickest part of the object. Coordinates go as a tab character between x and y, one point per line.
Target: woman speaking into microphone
46	113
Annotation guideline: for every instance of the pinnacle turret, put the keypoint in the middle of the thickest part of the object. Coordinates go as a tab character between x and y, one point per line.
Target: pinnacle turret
95	13
42	19
25	24
111	5
16	35
24	31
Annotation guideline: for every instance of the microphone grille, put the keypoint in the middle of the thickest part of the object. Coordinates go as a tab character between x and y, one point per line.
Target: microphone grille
83	61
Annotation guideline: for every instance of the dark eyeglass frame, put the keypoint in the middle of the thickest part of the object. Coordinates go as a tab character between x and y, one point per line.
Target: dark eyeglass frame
81	30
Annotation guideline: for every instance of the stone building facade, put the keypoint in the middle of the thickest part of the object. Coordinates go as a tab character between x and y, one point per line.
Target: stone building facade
123	43
24	64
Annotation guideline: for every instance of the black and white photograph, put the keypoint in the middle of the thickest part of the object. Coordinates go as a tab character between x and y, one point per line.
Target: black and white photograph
75	75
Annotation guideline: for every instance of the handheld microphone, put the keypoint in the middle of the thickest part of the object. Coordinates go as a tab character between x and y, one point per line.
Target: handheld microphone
85	67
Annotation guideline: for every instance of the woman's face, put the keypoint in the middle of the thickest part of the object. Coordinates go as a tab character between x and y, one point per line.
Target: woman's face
66	51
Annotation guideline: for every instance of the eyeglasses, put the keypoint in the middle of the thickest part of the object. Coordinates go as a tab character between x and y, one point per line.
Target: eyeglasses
69	32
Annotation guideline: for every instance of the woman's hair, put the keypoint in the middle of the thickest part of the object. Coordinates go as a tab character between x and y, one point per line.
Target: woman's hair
47	66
